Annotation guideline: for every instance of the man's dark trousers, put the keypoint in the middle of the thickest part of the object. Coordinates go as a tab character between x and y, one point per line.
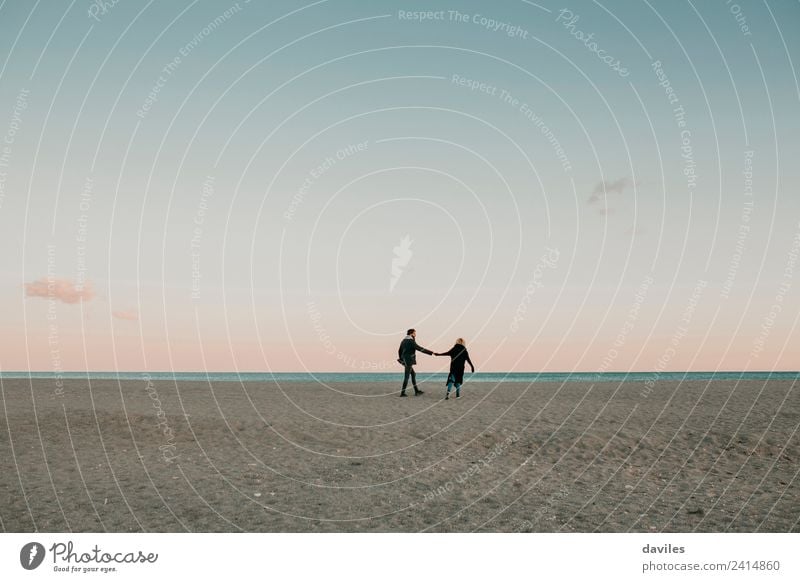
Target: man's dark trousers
410	372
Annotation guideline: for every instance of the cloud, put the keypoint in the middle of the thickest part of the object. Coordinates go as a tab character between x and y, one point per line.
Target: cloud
62	290
126	314
603	187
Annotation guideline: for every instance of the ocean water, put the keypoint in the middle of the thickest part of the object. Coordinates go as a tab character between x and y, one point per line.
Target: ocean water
330	377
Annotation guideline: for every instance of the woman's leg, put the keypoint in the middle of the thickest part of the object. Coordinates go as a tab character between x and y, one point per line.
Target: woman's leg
449	385
458	390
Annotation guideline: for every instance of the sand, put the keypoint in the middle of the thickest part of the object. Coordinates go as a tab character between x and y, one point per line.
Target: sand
187	456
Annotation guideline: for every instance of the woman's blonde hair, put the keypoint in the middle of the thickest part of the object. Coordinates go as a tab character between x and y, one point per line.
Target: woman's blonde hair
460	341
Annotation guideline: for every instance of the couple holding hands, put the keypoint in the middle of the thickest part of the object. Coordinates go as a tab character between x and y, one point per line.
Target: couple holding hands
407	356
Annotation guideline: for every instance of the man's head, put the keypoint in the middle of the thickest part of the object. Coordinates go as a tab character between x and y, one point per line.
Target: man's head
412	332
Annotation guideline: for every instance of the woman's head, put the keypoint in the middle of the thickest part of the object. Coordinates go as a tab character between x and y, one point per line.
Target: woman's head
460	341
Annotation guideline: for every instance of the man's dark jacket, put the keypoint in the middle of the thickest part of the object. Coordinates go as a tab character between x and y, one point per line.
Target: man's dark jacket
408	351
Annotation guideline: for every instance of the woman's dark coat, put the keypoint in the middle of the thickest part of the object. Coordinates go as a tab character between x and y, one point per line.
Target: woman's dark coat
458	357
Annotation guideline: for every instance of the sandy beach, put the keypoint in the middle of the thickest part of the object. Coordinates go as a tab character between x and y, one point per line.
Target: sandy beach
512	457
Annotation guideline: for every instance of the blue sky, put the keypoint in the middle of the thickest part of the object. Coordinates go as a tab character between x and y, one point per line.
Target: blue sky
483	181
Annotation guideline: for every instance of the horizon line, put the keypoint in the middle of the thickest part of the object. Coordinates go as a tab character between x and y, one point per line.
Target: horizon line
367	372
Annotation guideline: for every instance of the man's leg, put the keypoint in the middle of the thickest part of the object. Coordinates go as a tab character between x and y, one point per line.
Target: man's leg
414	381
408	371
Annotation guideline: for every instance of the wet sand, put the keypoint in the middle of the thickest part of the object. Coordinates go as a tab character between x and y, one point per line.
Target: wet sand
191	456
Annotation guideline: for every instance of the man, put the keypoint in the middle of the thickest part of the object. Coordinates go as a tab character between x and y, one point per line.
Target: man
407	355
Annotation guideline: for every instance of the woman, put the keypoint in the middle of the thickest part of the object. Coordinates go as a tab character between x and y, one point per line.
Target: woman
458	356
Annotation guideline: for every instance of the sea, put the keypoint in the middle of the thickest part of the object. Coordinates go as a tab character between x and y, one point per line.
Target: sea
332	377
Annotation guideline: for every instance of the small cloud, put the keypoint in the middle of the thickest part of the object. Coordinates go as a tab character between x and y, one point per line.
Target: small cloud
62	290
402	255
604	187
605	211
126	314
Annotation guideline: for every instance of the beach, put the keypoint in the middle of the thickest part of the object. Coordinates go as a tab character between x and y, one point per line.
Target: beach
164	456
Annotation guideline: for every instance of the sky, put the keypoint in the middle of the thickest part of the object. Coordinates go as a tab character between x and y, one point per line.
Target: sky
289	186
